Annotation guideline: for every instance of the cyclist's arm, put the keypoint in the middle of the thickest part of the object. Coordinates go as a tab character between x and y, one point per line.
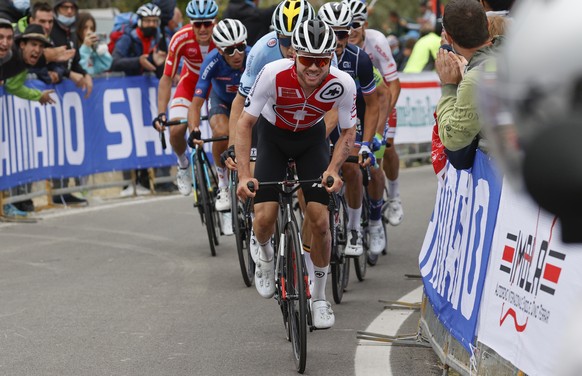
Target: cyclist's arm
194	113
394	88
330	120
371	118
236	110
164	93
383	106
244	128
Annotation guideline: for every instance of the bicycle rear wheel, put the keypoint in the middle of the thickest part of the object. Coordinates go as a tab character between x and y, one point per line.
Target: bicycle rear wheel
206	202
242	233
360	262
296	295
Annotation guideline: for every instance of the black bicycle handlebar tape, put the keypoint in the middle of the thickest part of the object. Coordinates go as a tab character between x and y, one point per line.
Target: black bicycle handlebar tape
163	139
251	186
193	136
329	181
176	122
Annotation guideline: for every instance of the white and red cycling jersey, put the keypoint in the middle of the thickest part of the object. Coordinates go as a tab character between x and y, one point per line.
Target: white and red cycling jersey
184	45
377	47
277	95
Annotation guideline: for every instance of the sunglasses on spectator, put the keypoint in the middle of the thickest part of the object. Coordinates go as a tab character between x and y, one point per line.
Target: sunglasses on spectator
285	41
357	24
199	24
341	34
230	50
319	62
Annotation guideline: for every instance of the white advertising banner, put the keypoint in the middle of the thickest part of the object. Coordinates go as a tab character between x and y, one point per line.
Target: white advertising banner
533	287
415	107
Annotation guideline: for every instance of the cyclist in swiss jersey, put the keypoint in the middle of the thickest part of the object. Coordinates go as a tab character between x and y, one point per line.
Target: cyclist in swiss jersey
190	44
289	99
222	69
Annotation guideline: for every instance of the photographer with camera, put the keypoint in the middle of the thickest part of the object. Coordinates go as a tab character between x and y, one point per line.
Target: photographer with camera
95	56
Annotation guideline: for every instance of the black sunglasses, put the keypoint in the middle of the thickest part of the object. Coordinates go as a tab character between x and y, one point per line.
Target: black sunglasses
199	24
341	34
357	25
230	50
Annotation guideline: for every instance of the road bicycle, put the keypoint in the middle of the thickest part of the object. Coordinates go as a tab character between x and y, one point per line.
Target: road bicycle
242	224
291	277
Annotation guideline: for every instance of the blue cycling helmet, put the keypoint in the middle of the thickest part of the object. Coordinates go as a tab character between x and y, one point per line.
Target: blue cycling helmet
201	9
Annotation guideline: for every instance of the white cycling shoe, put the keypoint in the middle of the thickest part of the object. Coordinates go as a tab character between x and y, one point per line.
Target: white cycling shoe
377	239
223	200
265	278
354	245
184	180
395	212
322	314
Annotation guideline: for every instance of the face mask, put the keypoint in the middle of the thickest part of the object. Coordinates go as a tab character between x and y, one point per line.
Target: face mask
67	21
21	5
149	31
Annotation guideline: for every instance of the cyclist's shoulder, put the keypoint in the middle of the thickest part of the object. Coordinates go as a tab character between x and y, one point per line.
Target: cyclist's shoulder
182	36
265	46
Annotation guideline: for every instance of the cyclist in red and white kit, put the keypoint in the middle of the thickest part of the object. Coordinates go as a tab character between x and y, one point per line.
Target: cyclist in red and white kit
289	99
376	46
190	44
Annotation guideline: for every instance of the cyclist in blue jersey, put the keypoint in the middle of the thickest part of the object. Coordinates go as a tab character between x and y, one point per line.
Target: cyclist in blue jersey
221	69
357	63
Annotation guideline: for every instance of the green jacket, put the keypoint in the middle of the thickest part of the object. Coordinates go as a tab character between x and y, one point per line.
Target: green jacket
15	86
456	111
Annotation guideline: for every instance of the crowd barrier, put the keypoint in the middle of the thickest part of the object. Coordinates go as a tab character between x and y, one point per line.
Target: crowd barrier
502	289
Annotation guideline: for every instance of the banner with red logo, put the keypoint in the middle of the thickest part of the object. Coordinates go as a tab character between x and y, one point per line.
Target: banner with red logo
532	289
419	95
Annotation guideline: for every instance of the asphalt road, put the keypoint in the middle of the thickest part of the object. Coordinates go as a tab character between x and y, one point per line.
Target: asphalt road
128	287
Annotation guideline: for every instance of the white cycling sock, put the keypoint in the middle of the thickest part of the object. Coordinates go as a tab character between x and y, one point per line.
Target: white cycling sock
354	218
308	263
222	179
393	191
375	223
183	161
266	251
318	292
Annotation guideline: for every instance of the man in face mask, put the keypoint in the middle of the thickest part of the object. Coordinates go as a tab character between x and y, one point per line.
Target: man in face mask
63	34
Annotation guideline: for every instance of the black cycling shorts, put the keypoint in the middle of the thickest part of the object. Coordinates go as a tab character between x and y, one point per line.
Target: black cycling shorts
308	148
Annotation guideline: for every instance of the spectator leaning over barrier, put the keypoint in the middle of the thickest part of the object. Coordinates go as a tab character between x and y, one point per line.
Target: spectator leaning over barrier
6	43
465	30
95	56
63	34
31	44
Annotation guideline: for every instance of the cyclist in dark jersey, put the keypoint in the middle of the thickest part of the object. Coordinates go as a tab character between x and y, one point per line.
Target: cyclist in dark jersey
221	69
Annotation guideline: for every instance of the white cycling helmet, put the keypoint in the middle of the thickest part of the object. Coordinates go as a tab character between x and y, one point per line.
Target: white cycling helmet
358	8
314	37
229	32
148	10
335	14
289	14
531	106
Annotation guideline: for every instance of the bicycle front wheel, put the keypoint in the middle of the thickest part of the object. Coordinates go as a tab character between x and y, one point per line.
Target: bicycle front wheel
242	233
340	265
206	202
296	295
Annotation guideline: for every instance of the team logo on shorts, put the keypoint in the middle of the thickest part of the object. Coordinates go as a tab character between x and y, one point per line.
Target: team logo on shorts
331	92
247	102
198	92
272	42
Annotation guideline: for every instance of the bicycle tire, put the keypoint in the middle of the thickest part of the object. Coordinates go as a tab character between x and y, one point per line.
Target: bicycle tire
296	295
216	215
360	262
205	202
340	265
241	233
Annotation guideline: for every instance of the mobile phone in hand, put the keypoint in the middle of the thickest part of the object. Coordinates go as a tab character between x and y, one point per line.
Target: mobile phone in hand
447	47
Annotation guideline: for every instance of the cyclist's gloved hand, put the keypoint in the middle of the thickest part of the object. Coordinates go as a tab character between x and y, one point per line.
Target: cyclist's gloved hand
228	153
159	121
365	148
378	146
195	135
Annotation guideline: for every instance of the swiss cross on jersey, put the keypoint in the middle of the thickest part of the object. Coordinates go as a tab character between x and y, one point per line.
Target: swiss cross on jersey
293	111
